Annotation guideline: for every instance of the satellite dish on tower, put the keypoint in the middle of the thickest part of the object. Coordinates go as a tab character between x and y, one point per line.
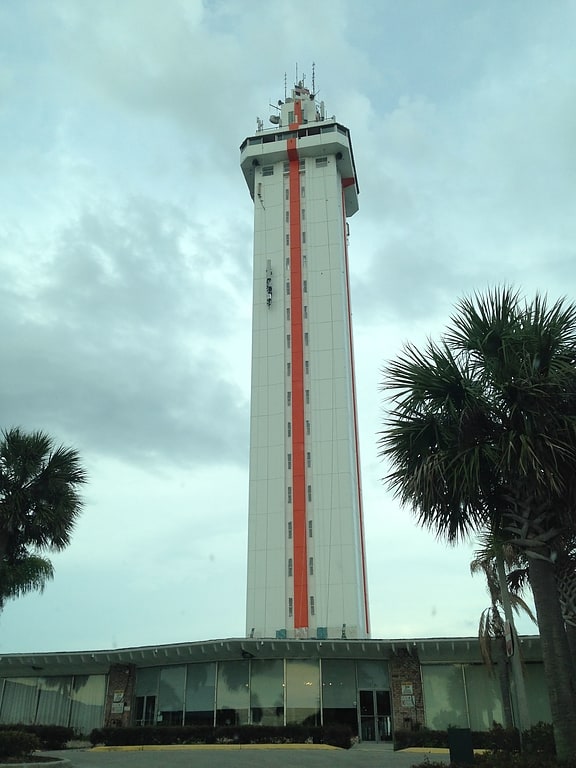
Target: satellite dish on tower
275	119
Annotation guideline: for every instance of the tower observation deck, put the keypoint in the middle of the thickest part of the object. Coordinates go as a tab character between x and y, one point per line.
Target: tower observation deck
306	561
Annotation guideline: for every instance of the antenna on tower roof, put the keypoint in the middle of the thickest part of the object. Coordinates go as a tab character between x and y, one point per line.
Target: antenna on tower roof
296	81
285	85
313	77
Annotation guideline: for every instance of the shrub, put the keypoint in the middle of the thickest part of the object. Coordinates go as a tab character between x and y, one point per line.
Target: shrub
17	744
202	734
50	736
539	739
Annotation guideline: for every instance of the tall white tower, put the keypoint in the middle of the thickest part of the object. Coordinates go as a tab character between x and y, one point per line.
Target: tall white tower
306	564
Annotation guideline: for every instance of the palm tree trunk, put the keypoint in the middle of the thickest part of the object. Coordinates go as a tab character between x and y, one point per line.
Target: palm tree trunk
571	634
515	661
503	680
558	669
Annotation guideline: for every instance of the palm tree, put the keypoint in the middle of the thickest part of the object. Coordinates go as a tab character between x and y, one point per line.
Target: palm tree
39	505
491	559
482	435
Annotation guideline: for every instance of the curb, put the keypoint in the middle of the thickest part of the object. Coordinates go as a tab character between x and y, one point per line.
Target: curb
193	747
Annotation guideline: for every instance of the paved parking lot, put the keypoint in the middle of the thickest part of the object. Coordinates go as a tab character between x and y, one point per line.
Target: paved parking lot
363	756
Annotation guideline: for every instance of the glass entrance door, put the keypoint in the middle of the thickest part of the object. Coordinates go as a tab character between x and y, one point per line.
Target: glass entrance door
145	710
375	716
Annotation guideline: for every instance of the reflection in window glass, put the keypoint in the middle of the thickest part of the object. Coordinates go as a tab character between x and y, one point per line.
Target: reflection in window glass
484	700
232	694
538	704
339	692
373	674
19	700
302	692
53	700
200	690
171	695
267	692
444	698
87	710
147	681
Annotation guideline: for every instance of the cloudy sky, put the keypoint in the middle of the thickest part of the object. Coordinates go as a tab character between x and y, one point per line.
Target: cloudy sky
125	268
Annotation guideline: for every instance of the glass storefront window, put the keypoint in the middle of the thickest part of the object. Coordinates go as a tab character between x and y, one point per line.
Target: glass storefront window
373	675
200	694
302	692
19	700
536	693
87	710
232	693
444	696
53	700
484	699
171	696
339	693
267	692
145	698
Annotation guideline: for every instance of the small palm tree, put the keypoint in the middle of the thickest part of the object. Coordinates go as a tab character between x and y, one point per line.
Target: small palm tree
490	560
482	435
39	505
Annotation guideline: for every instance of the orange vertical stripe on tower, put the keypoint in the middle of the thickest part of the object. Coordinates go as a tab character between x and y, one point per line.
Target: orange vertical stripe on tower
298	435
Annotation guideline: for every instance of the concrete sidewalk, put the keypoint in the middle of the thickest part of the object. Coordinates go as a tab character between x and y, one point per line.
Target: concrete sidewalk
252	756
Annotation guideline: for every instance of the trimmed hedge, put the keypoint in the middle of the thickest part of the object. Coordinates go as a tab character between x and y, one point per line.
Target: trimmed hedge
17	744
539	739
49	736
338	735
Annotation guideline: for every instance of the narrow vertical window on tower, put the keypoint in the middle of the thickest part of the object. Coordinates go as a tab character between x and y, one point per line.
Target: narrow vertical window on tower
289	529
309	493
289	460
289	494
289	566
287	313
305	286
290	607
307	427
312	605
287	239
288	289
288	340
306	311
307	394
310	529
306	338
289	429
302	191
308	460
288	398
288	368
307	366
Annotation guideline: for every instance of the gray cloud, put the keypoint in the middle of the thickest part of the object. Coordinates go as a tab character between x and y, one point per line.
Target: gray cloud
116	344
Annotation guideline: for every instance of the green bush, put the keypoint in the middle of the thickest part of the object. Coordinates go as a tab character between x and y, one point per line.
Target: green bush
337	735
50	736
539	739
17	744
497	738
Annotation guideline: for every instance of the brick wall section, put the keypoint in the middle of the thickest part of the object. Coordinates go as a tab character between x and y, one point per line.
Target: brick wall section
407	714
121	680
